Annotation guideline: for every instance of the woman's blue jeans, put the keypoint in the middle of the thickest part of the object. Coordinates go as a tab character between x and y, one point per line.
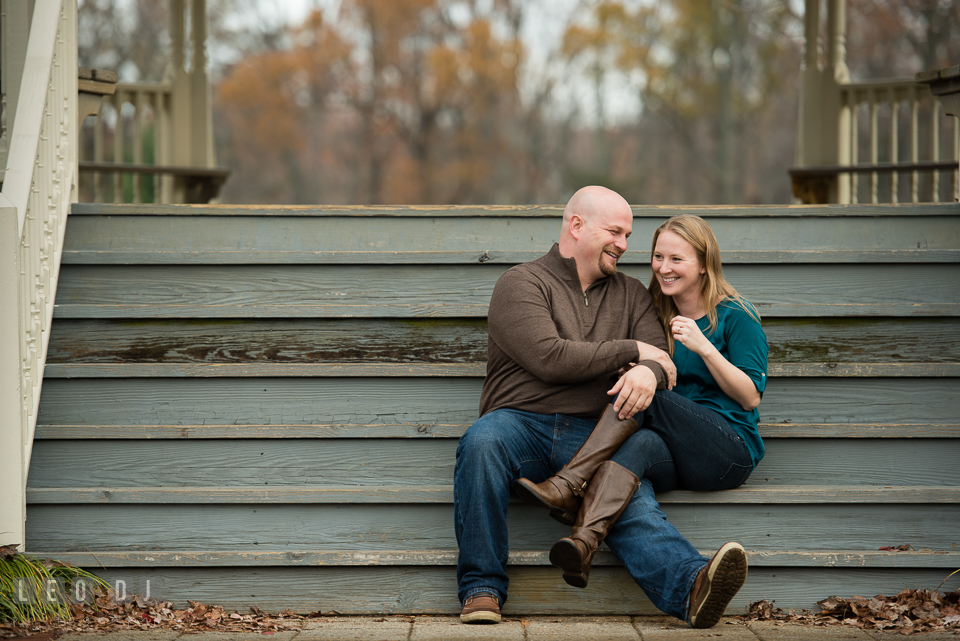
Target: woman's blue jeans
680	445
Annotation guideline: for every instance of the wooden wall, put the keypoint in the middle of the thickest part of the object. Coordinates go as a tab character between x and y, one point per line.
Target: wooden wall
260	405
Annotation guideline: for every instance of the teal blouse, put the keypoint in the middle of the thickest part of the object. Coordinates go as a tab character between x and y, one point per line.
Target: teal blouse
740	338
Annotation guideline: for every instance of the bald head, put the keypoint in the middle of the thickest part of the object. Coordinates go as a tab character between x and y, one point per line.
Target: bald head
596	224
588	201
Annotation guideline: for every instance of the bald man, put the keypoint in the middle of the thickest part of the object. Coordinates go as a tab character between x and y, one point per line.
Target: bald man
560	329
572	339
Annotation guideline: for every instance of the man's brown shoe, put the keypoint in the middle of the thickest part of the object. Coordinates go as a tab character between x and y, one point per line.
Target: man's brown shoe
717	584
482	607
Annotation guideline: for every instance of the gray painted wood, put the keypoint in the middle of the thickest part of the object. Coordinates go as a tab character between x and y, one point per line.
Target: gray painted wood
409	463
339	235
399	494
354	370
533	590
246	399
255	257
183	431
383	402
324	291
370	528
455	340
265	558
911	210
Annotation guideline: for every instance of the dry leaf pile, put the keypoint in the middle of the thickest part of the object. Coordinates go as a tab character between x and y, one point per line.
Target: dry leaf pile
136	613
908	612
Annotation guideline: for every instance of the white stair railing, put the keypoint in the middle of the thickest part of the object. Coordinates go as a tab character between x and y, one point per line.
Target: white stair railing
889	112
38	187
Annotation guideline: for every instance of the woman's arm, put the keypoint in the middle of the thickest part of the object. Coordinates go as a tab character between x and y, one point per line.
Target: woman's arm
734	383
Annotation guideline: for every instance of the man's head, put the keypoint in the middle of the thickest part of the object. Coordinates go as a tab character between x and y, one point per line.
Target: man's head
596	225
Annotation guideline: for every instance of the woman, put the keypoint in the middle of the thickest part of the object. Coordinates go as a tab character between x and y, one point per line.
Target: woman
701	436
713	334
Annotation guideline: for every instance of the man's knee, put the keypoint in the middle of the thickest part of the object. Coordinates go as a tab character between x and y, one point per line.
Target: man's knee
490	437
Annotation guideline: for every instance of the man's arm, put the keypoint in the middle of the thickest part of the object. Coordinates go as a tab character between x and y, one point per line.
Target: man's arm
652	344
521	323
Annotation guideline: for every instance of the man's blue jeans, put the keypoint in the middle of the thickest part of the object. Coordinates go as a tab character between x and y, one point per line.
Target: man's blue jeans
680	445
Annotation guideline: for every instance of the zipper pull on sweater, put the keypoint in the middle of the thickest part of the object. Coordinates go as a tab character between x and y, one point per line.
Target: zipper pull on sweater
585	301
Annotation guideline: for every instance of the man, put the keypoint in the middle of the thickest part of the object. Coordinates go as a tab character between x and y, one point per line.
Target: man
560	329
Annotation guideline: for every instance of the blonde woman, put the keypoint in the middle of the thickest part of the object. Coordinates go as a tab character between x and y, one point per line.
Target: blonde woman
700	436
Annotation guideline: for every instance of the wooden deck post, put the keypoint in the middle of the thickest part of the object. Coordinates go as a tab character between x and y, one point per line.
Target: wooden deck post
823	137
191	127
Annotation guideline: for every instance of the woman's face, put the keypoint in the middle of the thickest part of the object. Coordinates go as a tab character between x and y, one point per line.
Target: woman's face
676	266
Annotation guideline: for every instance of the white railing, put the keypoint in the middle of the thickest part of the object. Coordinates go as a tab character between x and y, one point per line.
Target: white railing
134	143
134	127
895	130
38	188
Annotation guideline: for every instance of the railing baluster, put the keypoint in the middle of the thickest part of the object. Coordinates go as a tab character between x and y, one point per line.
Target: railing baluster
98	157
914	143
894	144
162	148
154	179
874	141
935	148
137	143
846	116
118	146
854	141
956	154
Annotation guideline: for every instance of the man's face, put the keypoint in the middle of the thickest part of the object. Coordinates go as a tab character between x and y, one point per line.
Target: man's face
603	241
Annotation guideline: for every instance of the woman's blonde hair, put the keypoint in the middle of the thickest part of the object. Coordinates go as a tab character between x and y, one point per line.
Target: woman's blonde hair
714	288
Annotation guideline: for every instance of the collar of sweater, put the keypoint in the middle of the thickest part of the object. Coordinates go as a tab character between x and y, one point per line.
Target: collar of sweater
566	269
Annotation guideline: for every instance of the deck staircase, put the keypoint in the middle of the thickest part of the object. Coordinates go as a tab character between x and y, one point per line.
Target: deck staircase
259	406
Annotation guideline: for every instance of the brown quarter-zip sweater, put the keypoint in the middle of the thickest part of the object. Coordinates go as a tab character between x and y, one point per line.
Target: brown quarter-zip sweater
555	349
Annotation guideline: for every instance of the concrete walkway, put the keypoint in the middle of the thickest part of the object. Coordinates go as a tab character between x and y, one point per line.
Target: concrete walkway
437	628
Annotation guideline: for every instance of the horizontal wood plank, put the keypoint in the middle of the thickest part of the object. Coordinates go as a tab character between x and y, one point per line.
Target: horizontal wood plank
267	257
346	430
489	211
533	589
455	340
351	558
428	462
444	494
405	291
373	527
425	235
356	370
411	402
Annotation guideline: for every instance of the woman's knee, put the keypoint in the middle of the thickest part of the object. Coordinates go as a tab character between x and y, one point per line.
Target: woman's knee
644	452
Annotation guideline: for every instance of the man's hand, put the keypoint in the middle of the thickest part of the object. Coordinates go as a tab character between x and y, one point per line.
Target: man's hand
636	389
651	353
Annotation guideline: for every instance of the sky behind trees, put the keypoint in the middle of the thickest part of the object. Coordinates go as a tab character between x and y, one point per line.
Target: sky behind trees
510	101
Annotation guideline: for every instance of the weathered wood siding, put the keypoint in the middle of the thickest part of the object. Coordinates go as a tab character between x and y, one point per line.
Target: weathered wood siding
260	405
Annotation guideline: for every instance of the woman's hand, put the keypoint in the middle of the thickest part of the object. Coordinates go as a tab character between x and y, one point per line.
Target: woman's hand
731	380
686	332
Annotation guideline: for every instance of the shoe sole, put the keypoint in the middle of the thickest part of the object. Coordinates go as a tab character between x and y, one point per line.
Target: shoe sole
566	556
726	578
482	616
530	497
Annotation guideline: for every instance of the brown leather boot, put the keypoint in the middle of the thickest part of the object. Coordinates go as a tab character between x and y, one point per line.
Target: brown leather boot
610	492
563	493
